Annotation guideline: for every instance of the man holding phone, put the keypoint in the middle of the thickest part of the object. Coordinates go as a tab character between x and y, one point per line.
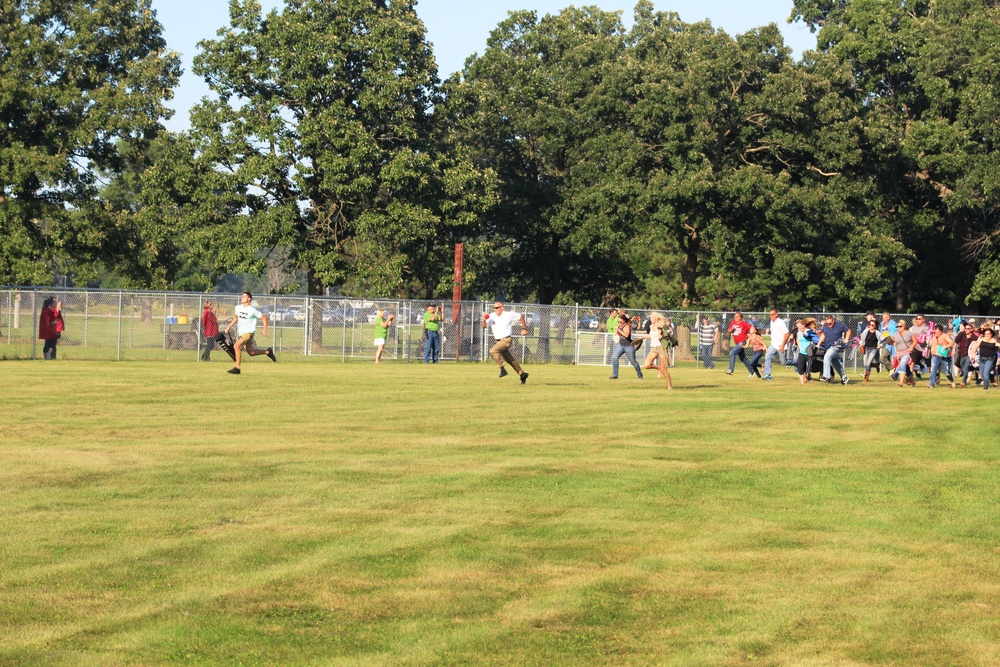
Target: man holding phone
432	324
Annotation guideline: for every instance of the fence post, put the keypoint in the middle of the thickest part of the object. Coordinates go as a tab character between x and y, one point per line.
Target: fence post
120	295
305	328
34	318
165	320
86	317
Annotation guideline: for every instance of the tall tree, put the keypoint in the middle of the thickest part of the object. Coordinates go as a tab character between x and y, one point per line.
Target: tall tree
926	89
75	77
722	160
324	126
528	105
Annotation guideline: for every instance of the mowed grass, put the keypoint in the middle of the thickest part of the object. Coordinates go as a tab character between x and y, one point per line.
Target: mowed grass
328	513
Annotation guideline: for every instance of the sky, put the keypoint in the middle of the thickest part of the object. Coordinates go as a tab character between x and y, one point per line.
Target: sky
459	28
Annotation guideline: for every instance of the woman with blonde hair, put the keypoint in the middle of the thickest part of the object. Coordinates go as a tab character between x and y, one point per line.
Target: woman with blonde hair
656	349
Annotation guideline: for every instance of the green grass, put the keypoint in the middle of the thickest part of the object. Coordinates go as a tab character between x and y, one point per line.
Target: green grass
310	512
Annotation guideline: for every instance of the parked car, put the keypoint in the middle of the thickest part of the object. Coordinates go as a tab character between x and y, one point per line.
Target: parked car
297	313
279	315
340	315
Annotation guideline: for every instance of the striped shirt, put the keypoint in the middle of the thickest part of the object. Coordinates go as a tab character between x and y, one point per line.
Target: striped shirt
706	334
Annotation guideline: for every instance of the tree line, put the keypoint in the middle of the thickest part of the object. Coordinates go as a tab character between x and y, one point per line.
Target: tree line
667	164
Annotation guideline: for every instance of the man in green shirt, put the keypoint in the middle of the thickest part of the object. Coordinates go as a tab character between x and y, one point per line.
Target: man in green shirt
432	324
612	324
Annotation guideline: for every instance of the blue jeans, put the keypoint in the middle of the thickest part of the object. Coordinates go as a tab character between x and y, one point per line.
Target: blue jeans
754	360
833	360
985	370
737	351
629	353
772	352
966	365
706	355
938	364
432	348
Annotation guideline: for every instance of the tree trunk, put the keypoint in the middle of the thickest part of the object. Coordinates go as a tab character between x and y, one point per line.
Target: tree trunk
684	344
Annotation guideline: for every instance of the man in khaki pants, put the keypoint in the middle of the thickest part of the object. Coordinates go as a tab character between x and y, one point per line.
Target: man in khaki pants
502	323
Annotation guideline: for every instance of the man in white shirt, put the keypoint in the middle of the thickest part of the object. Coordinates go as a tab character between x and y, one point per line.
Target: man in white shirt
247	316
779	337
502	323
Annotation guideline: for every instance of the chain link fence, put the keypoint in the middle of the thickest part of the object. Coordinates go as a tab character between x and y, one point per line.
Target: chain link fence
132	325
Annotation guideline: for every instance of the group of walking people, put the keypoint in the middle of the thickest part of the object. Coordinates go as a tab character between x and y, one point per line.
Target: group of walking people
959	350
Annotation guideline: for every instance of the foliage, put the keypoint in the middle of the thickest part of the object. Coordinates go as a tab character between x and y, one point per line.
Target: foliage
75	78
926	90
324	127
528	106
668	165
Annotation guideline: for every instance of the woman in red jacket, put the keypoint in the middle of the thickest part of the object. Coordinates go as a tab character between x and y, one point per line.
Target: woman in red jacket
209	328
50	326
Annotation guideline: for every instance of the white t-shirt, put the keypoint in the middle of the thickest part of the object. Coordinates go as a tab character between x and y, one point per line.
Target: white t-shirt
778	331
503	323
248	316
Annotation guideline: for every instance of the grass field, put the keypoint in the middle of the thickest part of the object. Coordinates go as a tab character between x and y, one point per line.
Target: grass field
326	513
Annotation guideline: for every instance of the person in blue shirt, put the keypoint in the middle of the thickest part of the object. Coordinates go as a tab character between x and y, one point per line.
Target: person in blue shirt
887	329
832	341
806	339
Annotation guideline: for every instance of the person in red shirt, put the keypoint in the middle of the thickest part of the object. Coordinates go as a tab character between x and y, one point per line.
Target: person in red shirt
740	329
50	326
209	329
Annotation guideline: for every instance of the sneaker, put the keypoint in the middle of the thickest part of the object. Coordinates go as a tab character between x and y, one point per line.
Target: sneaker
729	372
613	377
766	377
843	380
233	371
752	375
270	354
524	377
503	372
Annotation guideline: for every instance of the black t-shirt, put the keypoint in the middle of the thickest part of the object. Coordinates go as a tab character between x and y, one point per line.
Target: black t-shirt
987	350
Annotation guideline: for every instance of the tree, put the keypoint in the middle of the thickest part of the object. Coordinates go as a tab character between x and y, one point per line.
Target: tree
926	89
722	161
528	106
325	128
75	78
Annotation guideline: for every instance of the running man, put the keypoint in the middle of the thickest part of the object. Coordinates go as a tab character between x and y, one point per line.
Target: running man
502	323
247	316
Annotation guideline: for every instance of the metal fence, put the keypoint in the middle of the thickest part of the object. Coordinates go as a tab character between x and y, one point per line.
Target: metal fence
120	325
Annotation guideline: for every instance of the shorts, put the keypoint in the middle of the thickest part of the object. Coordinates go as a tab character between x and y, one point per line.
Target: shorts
379	341
246	338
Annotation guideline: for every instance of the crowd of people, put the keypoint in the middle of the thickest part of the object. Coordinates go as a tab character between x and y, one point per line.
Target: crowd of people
961	350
